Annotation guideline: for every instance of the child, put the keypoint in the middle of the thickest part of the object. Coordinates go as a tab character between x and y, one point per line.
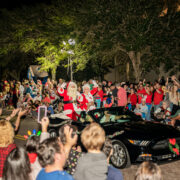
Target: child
17	165
143	108
163	112
31	148
137	110
92	165
148	170
108	98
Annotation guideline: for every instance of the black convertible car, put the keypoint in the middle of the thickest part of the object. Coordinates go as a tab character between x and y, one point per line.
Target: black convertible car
134	140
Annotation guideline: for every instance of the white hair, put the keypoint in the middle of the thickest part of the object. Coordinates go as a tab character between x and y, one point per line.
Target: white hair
86	86
72	92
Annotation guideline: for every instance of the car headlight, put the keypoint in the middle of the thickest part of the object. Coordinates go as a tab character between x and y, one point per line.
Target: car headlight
139	142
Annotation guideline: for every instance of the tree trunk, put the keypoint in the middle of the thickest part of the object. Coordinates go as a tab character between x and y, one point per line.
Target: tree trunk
136	62
15	75
53	73
127	71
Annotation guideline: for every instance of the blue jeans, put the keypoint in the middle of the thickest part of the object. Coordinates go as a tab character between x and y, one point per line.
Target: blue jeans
157	106
148	115
171	106
98	103
144	116
129	106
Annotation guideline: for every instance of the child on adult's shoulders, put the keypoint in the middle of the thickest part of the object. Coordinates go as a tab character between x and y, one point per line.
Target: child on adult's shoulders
92	165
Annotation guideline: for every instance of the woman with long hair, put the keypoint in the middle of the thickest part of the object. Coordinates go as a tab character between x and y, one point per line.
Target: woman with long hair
17	165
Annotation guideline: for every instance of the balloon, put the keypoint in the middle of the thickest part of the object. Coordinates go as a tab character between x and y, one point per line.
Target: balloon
25	136
29	132
39	133
34	131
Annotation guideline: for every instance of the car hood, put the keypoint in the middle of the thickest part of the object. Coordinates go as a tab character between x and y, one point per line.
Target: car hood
144	130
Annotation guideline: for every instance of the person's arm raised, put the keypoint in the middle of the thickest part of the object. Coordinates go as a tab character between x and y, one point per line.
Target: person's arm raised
70	141
20	114
14	112
44	125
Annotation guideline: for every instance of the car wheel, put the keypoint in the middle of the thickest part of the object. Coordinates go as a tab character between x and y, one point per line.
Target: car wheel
120	157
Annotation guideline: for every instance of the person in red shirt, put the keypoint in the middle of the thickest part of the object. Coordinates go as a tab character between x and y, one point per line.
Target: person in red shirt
132	99
148	96
122	95
158	96
141	92
99	97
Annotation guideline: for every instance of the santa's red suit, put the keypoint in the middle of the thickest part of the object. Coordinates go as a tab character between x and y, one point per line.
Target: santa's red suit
88	98
70	106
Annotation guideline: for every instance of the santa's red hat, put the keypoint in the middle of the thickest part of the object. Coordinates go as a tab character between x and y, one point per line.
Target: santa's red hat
71	83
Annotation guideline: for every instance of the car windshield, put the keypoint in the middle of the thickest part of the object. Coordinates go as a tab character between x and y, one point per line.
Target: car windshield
118	114
83	116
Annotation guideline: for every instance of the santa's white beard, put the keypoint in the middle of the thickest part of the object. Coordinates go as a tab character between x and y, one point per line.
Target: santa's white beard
72	92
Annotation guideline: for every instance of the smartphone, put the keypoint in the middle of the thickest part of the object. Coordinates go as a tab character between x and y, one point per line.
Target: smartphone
42	112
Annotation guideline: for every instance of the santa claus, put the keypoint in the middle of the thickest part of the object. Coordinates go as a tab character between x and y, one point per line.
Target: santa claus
72	98
88	99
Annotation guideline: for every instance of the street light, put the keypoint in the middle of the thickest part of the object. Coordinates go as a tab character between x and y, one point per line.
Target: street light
71	41
70	52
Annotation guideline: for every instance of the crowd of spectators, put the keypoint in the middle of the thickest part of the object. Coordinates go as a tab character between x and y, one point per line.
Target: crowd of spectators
45	157
158	100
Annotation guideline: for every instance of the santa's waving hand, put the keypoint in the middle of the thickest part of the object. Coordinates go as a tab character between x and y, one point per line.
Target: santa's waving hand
71	99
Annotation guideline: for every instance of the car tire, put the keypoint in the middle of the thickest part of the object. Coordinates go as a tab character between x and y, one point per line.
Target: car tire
120	157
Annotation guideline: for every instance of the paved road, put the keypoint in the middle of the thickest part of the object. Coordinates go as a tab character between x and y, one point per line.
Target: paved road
170	170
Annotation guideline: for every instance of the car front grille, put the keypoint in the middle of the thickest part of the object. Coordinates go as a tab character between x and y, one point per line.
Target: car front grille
164	144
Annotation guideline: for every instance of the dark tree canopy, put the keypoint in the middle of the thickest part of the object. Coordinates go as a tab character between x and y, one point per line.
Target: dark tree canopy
141	33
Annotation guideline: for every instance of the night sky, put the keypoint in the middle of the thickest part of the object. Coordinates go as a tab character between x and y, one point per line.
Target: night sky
11	4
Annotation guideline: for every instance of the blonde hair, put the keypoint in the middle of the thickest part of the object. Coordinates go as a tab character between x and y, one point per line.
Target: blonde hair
93	137
6	133
148	171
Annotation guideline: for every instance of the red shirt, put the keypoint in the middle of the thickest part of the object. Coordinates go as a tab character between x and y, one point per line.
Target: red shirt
46	99
100	94
133	99
122	97
158	97
4	152
149	98
142	92
94	91
32	157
